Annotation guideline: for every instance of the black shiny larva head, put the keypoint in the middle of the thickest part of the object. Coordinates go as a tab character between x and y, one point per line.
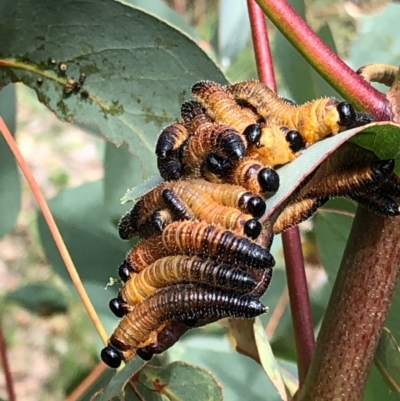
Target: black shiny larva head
218	165
117	308
256	206
232	145
124	271
295	140
170	169
253	134
252	228
268	179
144	353
111	357
347	114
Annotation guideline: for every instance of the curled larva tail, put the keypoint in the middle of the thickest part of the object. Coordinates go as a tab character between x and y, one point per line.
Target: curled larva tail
179	269
183	302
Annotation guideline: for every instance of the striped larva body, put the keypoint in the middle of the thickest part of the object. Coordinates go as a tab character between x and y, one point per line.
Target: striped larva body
383	73
179	269
181	302
250	173
168	148
221	107
200	239
314	120
193	199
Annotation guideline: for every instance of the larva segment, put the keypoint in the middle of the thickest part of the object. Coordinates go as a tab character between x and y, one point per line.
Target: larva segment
378	203
353	181
200	239
383	73
221	106
314	120
230	195
167	150
250	173
187	200
297	212
179	269
180	302
195	116
216	138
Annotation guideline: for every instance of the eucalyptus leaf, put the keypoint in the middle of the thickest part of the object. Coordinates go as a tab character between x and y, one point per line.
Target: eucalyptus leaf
10	184
138	68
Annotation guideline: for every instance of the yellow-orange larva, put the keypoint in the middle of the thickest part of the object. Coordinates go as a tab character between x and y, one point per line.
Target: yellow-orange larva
181	302
192	199
383	73
314	120
180	269
221	106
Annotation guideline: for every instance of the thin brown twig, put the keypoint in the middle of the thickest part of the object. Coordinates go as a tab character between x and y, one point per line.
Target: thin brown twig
277	314
87	383
6	366
54	231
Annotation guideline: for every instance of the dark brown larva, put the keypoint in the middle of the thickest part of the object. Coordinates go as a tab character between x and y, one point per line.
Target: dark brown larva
180	302
179	269
168	151
201	239
314	120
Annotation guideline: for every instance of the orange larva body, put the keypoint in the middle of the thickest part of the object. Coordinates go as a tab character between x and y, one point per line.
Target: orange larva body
217	138
221	106
202	200
179	269
273	148
314	120
201	239
140	327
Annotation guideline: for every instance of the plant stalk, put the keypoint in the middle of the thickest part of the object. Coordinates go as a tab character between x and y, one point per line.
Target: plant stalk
294	260
356	312
324	60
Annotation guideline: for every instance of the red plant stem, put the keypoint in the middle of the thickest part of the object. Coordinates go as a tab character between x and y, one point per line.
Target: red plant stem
294	260
324	60
262	50
6	366
299	300
357	310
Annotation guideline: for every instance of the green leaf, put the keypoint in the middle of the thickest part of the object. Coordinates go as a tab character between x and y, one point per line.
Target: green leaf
180	381
331	232
268	360
165	13
376	32
241	378
40	298
90	237
383	140
377	389
116	386
387	359
138	68
10	185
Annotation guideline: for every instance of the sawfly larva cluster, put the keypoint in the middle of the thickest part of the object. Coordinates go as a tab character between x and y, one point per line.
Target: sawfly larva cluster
204	254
